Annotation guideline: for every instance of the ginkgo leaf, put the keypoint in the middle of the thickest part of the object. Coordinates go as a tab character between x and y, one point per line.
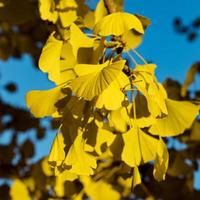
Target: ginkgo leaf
117	121
91	55
57	153
156	99
67	54
50	58
67	72
136	177
63	4
100	11
47	10
147	72
94	79
42	103
131	40
112	97
117	24
126	183
81	162
60	182
19	191
99	190
67	17
138	147
155	94
177	120
194	69
78	39
140	117
161	161
46	167
103	137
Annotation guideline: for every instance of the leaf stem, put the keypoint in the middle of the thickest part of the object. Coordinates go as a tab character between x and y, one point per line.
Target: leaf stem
139	56
132	59
110	6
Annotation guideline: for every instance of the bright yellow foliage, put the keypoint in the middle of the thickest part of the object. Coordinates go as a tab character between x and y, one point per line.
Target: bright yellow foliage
50	58
19	191
94	79
112	113
45	99
81	162
138	147
180	117
161	162
117	24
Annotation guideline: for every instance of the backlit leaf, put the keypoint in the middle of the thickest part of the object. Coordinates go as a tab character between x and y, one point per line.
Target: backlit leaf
138	148
50	58
94	79
177	120
46	100
81	162
117	24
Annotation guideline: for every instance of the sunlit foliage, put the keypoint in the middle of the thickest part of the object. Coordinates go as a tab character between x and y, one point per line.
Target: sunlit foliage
113	114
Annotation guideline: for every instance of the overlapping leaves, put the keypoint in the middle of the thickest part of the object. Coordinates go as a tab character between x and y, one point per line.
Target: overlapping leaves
109	112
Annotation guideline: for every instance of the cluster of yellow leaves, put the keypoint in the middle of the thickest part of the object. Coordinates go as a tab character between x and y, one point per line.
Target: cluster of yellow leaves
109	111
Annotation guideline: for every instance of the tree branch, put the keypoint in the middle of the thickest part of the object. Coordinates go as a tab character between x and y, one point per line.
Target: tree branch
110	6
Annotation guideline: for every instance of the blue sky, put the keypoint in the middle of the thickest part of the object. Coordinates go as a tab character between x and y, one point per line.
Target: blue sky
171	52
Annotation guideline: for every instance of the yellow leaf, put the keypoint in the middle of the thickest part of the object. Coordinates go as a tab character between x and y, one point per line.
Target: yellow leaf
67	72
117	121
140	117
81	162
194	69
131	40
46	168
19	191
117	24
103	137
146	83
180	117
94	79
47	10
138	147
99	190
136	177
57	153
60	182
63	4
161	162
42	103
112	97
50	58
79	40
67	17
100	11
147	72
91	55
